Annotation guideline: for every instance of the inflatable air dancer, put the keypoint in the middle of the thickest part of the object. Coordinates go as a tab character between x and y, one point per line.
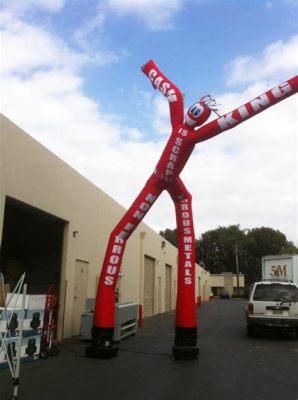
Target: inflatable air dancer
186	133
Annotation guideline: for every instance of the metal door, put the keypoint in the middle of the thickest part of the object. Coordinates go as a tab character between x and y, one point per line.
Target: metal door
148	301
168	288
79	294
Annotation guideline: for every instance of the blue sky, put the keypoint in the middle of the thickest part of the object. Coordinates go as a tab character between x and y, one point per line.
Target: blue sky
71	78
200	39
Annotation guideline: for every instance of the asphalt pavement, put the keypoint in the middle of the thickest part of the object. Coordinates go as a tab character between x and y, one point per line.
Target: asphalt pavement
230	365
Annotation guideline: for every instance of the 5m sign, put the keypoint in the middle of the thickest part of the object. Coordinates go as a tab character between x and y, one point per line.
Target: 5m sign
279	271
282	267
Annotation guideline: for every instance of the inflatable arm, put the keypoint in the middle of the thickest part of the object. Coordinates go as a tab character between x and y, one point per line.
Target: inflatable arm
168	89
246	111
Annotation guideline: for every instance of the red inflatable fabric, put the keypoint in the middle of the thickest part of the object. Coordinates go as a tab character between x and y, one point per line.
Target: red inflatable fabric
166	177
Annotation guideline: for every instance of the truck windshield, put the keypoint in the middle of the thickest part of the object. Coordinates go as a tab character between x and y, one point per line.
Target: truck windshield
276	292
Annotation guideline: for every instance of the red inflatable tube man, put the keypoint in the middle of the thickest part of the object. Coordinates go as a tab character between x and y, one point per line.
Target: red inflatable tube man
186	133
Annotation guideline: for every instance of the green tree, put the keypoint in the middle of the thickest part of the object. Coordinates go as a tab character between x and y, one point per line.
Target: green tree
170	235
219	250
262	242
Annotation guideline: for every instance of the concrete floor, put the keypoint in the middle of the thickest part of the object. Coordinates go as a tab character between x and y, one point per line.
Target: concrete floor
230	365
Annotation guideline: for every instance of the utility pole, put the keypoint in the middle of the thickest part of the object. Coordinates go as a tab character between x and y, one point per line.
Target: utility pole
236	247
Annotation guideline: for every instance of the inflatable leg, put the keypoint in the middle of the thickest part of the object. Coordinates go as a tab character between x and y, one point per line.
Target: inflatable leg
103	345
185	346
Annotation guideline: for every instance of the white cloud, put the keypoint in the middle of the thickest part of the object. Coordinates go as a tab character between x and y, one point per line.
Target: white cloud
276	59
156	14
20	6
26	47
247	175
161	119
134	134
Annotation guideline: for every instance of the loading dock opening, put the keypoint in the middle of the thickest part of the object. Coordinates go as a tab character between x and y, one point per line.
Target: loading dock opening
32	242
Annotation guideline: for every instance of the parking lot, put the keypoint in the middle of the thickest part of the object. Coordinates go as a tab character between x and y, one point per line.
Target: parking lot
230	365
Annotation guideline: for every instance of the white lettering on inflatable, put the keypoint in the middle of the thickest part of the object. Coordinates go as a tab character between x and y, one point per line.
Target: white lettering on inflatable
243	112
124	235
150	198
173	156
158	81
152	74
129	227
114	261
170	165
263	101
111	270
260	102
183	132
171	96
187	240
281	90
109	280
138	215
164	87
226	121
144	206
116	249
118	244
118	240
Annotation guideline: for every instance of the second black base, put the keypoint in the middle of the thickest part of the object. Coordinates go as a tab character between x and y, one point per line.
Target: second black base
187	353
102	344
185	346
101	352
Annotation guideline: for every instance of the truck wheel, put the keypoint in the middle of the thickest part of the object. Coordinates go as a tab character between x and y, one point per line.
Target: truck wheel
250	331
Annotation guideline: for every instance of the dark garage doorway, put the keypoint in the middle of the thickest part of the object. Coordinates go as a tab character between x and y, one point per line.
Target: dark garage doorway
32	242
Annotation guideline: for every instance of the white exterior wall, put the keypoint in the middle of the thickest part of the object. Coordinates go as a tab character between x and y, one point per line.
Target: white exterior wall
32	174
219	280
241	281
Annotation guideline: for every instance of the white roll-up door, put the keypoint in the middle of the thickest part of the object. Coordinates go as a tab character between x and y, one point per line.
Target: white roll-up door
148	303
168	288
